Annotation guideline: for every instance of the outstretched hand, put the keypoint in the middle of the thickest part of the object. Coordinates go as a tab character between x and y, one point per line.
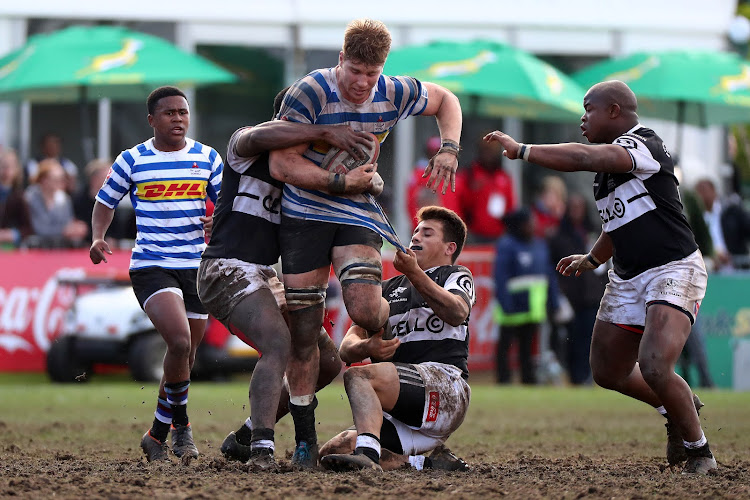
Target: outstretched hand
509	144
442	169
574	264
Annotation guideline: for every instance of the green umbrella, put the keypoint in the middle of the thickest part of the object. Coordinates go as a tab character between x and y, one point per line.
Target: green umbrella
100	62
492	79
689	87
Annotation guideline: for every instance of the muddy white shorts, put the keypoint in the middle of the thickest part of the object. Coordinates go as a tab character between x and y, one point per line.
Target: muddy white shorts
447	397
224	283
681	284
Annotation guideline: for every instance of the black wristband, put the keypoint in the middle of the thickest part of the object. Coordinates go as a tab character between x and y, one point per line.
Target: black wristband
336	183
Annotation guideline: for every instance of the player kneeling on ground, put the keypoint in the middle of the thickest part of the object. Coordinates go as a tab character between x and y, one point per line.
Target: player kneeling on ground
414	395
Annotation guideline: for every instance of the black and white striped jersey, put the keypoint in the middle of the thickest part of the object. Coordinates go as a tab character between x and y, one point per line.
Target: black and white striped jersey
641	209
248	211
425	337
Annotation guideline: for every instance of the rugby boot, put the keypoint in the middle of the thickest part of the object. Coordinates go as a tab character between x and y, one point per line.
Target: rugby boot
182	441
305	455
675	445
442	458
343	462
699	460
261	459
154	449
234	450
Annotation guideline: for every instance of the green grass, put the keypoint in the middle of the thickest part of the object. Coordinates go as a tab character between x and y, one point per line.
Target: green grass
545	421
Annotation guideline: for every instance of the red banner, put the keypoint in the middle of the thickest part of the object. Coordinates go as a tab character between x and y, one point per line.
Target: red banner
33	303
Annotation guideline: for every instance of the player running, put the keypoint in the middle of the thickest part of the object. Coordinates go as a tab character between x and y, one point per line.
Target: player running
168	178
658	280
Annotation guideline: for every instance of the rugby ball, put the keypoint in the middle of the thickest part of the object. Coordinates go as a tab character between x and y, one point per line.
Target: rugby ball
340	161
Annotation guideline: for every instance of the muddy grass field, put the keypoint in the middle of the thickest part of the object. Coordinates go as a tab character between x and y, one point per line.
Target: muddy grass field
81	441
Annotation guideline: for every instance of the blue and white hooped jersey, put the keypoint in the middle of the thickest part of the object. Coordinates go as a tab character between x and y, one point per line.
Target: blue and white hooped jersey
316	99
168	191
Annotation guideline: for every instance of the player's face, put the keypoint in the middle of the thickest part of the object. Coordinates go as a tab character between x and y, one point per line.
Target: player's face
595	119
428	245
356	79
170	122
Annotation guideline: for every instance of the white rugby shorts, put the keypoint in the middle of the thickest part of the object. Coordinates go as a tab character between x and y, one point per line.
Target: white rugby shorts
447	397
681	283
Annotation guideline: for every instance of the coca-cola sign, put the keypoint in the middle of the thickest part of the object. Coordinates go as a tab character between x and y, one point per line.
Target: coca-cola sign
33	304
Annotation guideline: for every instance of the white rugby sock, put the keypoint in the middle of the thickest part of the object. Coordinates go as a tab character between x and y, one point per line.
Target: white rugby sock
302	400
417	461
367	441
249	423
696	444
662	411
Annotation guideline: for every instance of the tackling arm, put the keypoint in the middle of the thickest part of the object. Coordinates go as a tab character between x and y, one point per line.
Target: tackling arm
358	346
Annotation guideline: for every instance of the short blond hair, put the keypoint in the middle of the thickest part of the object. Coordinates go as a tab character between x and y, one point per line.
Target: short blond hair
367	41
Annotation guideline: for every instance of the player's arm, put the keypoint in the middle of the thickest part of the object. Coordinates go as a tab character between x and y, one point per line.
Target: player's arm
448	306
570	157
357	346
600	253
289	166
446	109
282	134
101	219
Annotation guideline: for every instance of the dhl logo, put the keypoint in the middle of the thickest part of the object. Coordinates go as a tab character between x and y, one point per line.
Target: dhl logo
171	190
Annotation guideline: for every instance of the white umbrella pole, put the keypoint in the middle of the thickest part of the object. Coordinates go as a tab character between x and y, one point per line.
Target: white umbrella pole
402	167
104	124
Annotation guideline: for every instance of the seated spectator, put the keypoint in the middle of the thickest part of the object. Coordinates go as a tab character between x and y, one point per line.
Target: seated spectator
484	194
50	147
123	225
52	210
15	219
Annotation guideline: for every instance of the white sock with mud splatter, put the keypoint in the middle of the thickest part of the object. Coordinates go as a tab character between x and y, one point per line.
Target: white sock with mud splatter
694	445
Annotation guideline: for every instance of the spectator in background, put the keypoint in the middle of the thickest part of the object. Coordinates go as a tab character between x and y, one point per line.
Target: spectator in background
735	225
52	209
50	146
576	234
484	195
706	191
123	226
418	194
549	206
15	219
525	288
694	351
